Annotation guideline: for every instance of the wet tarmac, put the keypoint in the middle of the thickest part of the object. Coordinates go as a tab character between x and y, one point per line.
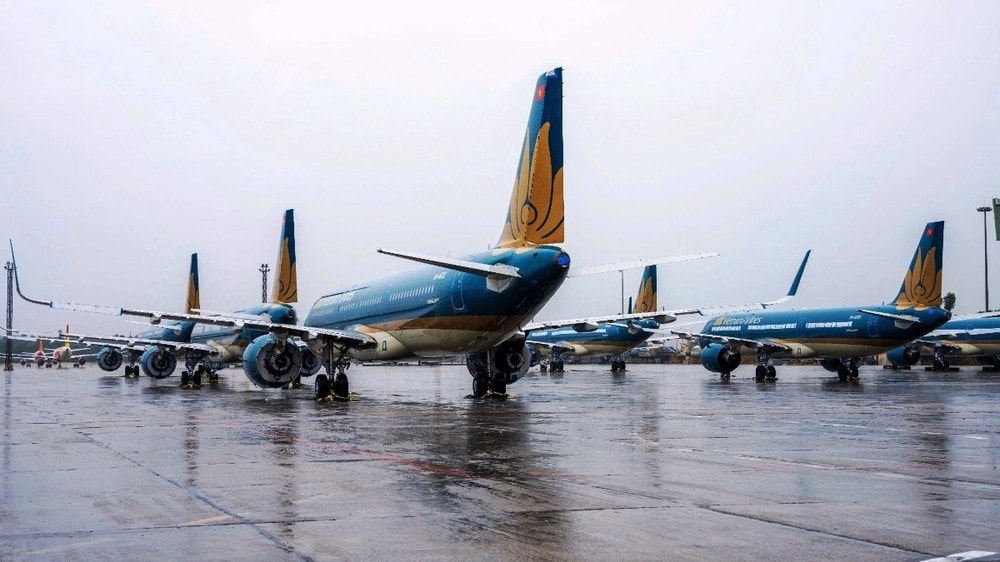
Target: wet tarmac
661	462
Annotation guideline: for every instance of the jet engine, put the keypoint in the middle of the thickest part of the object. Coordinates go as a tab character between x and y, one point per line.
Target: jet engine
109	359
310	362
903	356
272	363
719	358
512	358
158	363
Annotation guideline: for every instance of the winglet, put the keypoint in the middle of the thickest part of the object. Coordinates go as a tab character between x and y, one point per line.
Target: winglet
921	288
795	283
17	283
286	285
645	301
536	214
194	292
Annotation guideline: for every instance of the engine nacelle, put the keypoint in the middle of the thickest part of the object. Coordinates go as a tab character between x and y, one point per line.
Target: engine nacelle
719	358
109	359
831	364
158	363
311	363
512	358
903	356
271	363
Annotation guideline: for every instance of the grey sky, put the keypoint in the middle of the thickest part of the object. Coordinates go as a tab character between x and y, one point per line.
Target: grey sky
133	134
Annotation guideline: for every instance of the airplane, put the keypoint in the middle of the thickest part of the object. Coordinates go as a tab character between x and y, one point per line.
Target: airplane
960	337
474	305
58	355
616	338
197	336
839	336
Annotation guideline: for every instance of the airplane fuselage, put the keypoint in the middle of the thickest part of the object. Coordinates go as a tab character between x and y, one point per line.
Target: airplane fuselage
828	333
434	311
607	339
972	336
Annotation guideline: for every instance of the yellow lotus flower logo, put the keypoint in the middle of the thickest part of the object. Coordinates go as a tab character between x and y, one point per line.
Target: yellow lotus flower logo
922	284
645	301
536	206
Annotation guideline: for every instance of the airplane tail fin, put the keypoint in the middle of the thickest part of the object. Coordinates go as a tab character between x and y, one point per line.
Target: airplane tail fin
41	346
194	292
67	336
536	215
645	301
921	288
286	285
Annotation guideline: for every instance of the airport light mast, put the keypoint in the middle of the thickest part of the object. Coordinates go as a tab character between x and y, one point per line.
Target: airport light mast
264	268
8	364
986	259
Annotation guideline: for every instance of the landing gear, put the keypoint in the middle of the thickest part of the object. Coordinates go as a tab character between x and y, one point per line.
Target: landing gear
618	365
765	370
848	370
492	370
336	368
557	366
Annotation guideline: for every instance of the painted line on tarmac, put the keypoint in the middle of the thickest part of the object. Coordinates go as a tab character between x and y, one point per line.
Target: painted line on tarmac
960	556
71	546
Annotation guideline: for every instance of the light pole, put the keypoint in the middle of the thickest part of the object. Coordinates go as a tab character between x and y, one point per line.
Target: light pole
264	268
986	258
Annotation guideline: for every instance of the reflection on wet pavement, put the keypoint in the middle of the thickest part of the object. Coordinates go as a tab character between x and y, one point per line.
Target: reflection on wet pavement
663	461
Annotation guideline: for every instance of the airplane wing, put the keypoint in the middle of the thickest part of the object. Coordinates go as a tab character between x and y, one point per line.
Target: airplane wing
155	317
582	271
118	342
667	316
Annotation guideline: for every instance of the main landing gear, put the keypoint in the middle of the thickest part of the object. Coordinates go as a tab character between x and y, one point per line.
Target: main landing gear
195	370
848	370
492	370
617	364
340	387
765	370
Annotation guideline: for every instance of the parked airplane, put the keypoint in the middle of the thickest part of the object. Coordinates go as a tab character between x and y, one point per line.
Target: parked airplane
840	336
605	338
616	338
197	336
58	355
967	337
475	305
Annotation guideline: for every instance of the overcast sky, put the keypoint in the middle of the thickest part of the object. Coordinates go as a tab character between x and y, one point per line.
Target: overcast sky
133	134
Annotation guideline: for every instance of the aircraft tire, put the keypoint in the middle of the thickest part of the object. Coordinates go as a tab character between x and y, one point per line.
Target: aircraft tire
498	385
185	378
760	374
843	373
341	387
772	373
480	385
196	378
321	386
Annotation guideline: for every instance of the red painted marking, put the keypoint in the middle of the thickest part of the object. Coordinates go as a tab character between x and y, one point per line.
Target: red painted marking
930	231
540	93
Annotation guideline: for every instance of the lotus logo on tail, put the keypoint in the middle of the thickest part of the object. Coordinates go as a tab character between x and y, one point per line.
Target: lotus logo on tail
921	287
922	284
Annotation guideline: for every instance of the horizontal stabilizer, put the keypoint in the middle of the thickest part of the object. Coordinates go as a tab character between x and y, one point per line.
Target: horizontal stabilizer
902	318
618	266
475	268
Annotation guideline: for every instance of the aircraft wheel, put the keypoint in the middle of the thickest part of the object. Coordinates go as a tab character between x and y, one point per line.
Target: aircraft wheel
480	385
772	373
854	373
340	386
760	374
499	384
185	378
196	379
843	373
321	386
